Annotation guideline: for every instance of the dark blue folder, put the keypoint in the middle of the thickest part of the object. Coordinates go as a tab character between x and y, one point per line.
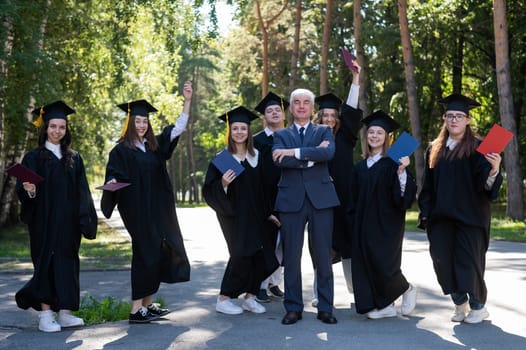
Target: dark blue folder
404	146
224	161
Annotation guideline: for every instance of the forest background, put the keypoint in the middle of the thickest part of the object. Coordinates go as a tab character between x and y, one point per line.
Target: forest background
96	54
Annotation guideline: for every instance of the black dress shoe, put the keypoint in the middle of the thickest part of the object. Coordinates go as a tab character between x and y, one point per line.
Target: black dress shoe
276	291
291	317
327	317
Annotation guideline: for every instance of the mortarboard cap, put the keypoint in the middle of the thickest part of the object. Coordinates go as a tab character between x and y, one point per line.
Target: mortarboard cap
138	107
270	100
329	100
238	114
381	119
55	110
458	102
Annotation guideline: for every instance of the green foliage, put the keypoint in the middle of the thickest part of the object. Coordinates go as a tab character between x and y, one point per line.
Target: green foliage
96	54
93	311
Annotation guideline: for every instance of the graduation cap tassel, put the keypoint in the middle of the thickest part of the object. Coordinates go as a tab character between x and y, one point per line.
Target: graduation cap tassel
227	134
39	120
125	128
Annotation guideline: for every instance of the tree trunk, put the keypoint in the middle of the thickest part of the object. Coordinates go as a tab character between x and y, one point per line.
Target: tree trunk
357	21
362	99
409	67
193	187
325	43
8	49
295	47
515	207
264	27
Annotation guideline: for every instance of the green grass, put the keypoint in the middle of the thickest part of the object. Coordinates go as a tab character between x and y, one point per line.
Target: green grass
109	250
501	228
93	311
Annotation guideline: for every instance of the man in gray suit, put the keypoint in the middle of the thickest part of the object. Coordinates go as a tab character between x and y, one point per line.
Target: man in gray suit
305	194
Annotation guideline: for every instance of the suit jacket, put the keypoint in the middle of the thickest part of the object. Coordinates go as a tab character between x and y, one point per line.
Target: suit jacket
297	178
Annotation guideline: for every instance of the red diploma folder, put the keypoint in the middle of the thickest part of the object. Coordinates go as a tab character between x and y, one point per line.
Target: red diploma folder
113	186
24	174
495	141
349	58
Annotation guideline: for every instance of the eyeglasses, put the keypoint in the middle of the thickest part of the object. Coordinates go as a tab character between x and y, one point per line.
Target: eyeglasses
456	117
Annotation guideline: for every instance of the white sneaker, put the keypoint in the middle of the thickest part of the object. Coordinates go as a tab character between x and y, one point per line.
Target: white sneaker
460	312
314	302
388	311
47	322
228	307
408	300
250	304
66	319
477	316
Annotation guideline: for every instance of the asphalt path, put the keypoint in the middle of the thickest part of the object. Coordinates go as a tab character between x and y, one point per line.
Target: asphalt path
194	323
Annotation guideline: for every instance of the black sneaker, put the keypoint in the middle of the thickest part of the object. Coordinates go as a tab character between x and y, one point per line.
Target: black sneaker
154	309
142	316
276	292
262	296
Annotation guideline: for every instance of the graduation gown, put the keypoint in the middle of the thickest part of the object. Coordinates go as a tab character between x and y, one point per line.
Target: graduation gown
147	208
242	213
272	173
378	222
453	192
60	213
341	168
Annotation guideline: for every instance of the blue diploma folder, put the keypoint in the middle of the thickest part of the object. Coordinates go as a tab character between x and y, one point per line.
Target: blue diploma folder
404	146
224	161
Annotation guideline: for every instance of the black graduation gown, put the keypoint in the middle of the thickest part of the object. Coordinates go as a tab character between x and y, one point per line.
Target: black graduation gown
378	219
60	213
454	192
147	208
242	213
341	168
272	173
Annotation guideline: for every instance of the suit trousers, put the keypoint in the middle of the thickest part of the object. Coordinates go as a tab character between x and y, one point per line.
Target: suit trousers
292	233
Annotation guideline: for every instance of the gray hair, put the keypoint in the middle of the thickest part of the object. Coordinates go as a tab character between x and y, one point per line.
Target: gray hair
301	92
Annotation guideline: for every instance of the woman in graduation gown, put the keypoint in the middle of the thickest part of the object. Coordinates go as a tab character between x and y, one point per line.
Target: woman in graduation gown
345	121
458	185
147	205
382	190
241	209
57	210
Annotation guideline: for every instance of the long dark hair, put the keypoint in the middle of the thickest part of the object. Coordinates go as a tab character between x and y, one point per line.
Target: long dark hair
131	135
65	142
465	147
231	147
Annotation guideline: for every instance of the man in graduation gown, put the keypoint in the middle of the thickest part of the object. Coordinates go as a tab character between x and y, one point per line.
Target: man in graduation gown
272	107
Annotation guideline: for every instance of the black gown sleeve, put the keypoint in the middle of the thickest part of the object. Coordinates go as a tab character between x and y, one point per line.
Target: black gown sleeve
214	194
115	169
27	204
166	147
87	212
350	122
